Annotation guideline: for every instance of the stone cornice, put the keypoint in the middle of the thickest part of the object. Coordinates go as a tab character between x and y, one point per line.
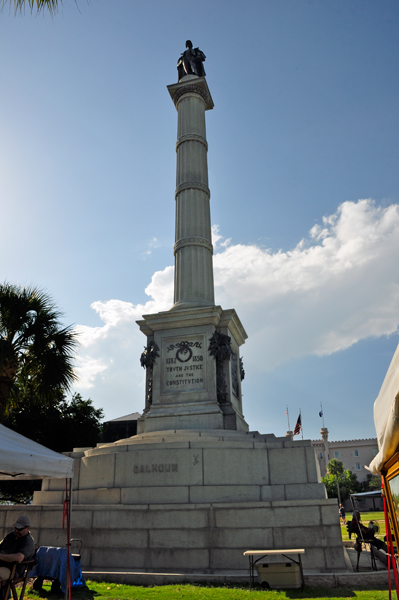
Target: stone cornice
175	318
230	319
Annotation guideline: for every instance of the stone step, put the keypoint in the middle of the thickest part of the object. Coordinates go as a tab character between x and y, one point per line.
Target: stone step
366	580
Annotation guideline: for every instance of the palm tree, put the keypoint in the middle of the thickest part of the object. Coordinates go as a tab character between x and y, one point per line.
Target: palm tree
336	468
19	5
36	352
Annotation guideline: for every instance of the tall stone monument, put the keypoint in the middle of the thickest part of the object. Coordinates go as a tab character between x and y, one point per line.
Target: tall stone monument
192	356
194	488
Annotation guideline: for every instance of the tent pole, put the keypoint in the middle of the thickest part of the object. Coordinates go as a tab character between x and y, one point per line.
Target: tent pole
68	499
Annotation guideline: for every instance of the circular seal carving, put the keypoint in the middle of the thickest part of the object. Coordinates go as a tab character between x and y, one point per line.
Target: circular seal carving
184	353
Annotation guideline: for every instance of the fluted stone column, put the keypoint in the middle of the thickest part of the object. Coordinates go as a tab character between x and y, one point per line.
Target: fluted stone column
187	385
193	241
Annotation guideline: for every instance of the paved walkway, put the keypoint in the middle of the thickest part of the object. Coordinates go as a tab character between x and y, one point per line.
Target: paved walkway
365	561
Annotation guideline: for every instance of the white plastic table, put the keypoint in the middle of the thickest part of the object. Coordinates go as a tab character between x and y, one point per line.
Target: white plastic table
252	554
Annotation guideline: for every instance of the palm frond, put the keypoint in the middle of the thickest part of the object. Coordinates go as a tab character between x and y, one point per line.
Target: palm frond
35	348
20	5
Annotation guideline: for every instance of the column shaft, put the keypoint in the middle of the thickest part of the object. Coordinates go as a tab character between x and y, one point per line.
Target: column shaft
193	240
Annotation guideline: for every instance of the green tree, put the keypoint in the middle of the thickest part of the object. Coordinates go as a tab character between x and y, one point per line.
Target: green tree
61	426
340	482
373	483
36	352
19	5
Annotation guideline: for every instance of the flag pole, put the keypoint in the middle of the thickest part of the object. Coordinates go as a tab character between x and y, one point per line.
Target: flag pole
321	413
300	414
288	417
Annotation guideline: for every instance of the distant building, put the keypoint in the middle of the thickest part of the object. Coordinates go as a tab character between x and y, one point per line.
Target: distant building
355	454
120	428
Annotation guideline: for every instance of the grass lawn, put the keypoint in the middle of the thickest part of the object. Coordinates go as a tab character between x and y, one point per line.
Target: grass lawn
365	517
113	591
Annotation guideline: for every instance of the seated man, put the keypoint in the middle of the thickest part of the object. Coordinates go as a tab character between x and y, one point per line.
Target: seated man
17	546
366	533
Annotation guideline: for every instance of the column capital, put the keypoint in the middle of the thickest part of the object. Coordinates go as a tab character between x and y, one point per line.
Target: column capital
191	84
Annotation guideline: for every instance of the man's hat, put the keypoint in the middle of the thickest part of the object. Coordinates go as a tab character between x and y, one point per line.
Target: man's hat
22	522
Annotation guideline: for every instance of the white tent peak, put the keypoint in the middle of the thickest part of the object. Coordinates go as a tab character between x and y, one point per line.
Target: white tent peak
386	416
21	458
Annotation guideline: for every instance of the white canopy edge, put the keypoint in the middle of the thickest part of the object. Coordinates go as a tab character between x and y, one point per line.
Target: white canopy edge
386	416
21	458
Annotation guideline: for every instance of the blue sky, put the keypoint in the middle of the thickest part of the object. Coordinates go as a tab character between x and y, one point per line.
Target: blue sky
303	168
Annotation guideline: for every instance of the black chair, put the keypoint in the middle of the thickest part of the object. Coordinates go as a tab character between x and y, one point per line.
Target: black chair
10	584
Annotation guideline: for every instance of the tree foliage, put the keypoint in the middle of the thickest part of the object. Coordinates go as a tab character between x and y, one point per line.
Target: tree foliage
36	351
335	467
60	426
20	5
347	481
373	482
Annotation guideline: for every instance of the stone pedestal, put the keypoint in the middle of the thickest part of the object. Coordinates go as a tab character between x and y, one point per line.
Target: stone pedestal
187	387
194	501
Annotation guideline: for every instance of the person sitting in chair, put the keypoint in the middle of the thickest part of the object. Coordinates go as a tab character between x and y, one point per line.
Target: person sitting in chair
17	546
366	533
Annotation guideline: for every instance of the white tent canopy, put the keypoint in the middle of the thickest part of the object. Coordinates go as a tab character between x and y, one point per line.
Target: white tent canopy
386	416
20	458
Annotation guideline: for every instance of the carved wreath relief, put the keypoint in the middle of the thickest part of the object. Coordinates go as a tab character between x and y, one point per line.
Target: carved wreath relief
147	360
220	349
234	374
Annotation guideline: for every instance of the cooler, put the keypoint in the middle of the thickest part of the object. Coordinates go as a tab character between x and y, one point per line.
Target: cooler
279	574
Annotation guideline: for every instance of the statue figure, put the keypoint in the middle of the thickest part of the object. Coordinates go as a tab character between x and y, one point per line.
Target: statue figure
190	62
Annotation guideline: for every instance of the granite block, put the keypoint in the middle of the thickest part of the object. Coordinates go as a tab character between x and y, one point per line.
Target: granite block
150	519
243	538
101	496
235	467
225	493
296	516
178	538
287	465
97	471
121	538
236	518
155	495
167	467
305	491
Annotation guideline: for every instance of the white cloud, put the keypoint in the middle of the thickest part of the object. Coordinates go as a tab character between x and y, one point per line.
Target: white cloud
152	244
333	289
216	237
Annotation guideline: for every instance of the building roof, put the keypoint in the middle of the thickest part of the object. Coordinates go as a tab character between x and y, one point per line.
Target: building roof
373	440
131	417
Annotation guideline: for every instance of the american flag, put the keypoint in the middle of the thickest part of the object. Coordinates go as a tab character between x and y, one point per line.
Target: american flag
298	426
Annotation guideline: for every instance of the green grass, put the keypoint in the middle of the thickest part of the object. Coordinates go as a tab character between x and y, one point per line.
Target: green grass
113	591
365	518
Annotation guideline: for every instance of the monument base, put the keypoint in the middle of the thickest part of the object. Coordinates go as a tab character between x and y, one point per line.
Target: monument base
187	385
194	501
